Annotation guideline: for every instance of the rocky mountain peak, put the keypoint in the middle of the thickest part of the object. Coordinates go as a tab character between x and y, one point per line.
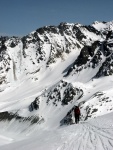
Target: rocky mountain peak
55	62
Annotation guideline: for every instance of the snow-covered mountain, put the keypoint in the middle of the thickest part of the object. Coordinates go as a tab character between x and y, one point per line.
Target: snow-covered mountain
43	75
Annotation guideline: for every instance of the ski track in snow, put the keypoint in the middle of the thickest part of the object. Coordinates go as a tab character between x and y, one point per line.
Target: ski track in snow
28	79
96	134
90	137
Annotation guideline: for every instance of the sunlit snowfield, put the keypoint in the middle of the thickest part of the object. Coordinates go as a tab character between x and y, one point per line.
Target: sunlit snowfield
29	80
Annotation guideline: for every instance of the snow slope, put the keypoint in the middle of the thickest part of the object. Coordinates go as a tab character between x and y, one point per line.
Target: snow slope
94	134
57	68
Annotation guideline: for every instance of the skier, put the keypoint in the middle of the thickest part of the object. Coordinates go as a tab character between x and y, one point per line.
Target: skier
35	105
77	114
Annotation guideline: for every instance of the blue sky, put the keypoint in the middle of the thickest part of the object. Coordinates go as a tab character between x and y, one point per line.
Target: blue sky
20	17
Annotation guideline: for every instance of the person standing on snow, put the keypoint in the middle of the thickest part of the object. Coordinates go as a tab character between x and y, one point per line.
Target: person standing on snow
77	114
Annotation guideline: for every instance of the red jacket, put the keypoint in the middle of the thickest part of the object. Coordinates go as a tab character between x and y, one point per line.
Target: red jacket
77	111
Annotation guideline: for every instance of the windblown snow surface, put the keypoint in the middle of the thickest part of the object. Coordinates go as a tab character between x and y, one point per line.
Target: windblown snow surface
56	92
94	134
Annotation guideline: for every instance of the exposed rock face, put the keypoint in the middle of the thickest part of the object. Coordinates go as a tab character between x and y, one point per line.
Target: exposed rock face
47	44
64	93
36	54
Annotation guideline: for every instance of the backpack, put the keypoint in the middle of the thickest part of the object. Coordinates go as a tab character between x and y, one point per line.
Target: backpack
77	110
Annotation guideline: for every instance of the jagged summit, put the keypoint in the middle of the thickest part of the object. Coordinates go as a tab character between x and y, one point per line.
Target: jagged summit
103	25
46	45
53	68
